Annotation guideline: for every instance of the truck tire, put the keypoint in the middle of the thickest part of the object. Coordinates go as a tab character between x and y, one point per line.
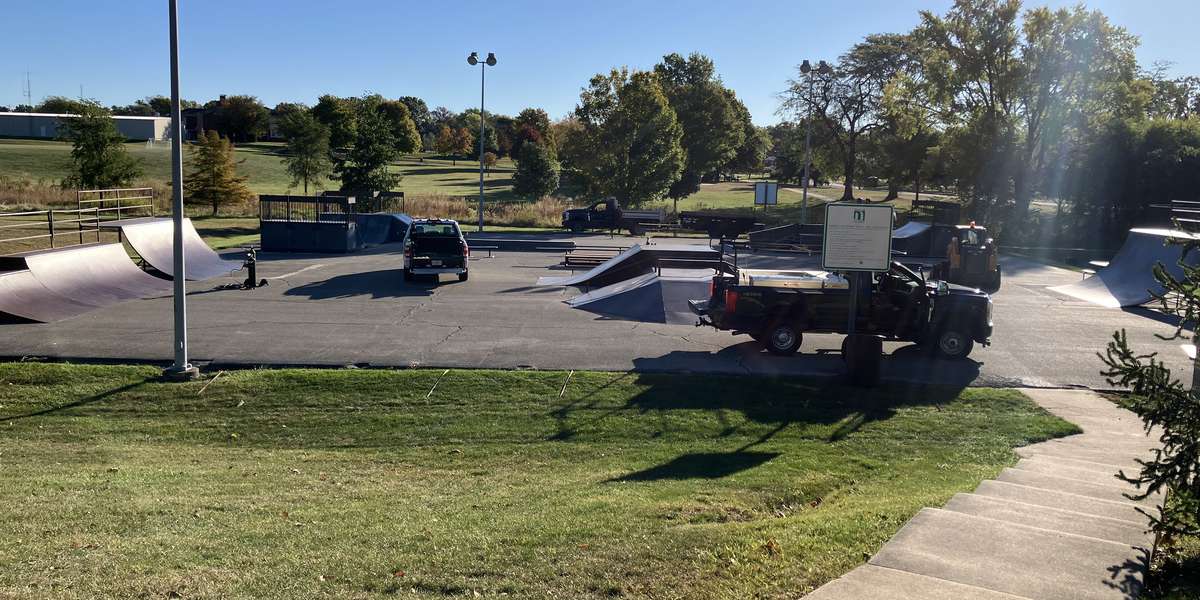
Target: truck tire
783	338
635	229
953	343
576	227
463	276
993	284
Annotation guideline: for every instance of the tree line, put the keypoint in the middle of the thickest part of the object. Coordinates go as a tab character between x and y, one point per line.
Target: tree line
1004	107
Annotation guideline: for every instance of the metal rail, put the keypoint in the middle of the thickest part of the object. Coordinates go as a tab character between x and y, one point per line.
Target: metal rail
47	220
112	205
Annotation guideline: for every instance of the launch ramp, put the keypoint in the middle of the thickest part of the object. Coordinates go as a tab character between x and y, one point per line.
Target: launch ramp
1128	280
640	260
648	298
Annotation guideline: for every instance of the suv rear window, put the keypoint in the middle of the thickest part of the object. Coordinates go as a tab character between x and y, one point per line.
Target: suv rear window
435	229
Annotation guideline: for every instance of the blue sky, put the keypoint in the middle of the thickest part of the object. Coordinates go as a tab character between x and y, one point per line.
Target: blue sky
296	50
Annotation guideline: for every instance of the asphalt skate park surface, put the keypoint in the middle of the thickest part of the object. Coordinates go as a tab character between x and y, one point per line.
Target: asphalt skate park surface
338	310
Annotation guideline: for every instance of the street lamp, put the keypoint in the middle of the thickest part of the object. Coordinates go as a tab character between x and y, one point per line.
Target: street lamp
490	61
806	68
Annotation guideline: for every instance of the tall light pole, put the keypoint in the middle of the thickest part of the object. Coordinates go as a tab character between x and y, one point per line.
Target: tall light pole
181	369
490	61
824	69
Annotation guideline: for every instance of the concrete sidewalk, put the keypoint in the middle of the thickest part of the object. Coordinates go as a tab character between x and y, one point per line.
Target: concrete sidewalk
1057	526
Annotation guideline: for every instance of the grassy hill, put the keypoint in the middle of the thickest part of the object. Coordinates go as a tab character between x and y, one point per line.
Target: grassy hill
432	484
262	165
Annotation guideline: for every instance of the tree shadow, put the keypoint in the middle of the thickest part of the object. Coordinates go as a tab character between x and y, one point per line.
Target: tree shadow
1129	576
777	401
783	401
1151	312
701	465
77	403
388	283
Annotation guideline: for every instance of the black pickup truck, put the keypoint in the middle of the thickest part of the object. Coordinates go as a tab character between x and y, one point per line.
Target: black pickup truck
777	307
608	214
433	247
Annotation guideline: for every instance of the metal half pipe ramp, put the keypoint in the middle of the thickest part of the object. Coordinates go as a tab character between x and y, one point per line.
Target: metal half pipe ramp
22	295
152	240
95	274
1128	280
49	285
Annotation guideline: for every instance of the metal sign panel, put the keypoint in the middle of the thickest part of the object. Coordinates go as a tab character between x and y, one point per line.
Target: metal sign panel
858	237
766	193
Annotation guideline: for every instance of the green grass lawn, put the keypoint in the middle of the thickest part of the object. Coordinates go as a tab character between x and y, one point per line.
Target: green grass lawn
351	483
261	164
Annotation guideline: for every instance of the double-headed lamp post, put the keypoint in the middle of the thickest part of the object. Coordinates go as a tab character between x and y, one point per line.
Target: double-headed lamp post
806	68
490	61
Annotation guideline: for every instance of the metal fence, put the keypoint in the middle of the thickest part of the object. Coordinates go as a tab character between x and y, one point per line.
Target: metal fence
26	228
325	208
117	203
59	227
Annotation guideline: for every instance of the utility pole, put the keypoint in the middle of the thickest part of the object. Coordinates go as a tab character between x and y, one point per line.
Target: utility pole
181	369
27	89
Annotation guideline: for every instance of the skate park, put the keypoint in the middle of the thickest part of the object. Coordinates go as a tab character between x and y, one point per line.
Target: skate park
523	309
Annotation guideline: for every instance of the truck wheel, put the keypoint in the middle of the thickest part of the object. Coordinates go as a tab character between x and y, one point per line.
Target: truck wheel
993	285
783	338
462	276
408	275
576	227
635	230
953	343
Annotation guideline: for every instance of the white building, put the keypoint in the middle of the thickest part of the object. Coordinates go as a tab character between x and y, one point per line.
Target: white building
45	126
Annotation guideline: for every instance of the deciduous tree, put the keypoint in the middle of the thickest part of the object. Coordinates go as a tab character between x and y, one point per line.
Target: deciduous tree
537	172
708	115
241	118
404	131
364	167
62	105
98	155
340	116
630	143
307	159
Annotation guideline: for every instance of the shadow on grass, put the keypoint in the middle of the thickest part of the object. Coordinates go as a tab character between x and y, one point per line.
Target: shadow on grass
701	465
77	403
777	401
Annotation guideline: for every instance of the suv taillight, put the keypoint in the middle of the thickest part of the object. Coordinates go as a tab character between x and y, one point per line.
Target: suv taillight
408	251
731	298
466	250
712	287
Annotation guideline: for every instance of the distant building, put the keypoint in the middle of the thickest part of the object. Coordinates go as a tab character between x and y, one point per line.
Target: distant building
45	126
193	121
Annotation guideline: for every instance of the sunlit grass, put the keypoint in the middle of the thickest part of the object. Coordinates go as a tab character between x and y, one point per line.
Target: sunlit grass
302	483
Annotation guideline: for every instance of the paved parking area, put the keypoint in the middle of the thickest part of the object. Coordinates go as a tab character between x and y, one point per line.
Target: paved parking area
355	309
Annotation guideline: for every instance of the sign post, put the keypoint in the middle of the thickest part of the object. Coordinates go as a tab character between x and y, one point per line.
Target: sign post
766	193
857	240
